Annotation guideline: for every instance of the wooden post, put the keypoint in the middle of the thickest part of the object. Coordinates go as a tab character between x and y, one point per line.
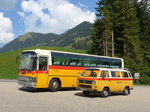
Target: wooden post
112	43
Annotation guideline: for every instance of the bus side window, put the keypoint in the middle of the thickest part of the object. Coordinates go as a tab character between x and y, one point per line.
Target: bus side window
58	58
102	62
73	60
43	63
89	61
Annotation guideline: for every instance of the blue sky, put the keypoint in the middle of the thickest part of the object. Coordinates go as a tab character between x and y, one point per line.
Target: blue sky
18	17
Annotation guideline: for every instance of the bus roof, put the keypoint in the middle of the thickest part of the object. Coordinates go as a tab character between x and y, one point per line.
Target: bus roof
46	52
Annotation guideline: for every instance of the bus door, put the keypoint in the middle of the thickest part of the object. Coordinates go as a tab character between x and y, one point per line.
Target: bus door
42	76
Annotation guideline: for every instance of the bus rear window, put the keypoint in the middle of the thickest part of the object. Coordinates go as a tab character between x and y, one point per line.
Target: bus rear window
115	63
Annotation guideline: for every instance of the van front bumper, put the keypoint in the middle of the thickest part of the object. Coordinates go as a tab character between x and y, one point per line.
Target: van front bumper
89	90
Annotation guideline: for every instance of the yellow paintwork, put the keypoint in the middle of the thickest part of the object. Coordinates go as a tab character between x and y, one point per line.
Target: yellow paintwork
68	78
113	85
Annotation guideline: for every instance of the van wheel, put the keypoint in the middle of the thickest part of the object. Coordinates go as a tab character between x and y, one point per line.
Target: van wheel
86	93
105	93
54	85
126	91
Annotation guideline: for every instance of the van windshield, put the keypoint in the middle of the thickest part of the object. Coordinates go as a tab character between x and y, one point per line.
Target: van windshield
90	73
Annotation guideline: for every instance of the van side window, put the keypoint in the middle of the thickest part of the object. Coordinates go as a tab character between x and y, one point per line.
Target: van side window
115	73
129	74
124	74
104	74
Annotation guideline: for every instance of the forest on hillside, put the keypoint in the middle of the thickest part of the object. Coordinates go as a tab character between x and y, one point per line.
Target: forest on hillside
122	29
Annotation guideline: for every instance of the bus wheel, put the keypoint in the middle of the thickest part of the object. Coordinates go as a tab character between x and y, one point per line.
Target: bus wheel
126	91
105	93
54	85
86	93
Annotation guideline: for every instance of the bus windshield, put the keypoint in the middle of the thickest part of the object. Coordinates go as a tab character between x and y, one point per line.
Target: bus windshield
28	61
90	73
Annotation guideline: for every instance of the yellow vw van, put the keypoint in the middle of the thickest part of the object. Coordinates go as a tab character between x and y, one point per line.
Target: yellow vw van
105	81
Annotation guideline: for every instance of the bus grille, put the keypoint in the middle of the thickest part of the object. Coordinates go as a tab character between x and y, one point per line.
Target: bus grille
22	78
85	86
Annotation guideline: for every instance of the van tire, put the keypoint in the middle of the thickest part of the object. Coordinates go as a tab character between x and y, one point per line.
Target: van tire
54	85
86	93
126	91
105	93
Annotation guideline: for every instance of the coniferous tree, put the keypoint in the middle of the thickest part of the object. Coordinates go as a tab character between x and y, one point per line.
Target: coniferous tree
143	14
119	17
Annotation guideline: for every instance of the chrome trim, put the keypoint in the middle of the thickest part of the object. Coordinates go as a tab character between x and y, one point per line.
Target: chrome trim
27	84
27	81
89	90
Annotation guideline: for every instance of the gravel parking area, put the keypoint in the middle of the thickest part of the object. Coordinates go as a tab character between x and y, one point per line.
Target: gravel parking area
14	98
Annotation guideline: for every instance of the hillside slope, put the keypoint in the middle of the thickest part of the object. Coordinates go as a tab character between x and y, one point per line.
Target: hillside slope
78	37
9	67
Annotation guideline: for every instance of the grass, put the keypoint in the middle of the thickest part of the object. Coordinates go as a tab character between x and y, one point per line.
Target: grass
8	66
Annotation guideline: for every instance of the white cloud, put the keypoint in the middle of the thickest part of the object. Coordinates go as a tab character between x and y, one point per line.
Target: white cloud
55	16
6	30
7	4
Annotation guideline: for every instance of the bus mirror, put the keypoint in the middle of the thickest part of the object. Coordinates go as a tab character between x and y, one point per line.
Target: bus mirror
17	59
37	58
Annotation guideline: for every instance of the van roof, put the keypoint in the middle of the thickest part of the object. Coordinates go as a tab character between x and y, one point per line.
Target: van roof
110	69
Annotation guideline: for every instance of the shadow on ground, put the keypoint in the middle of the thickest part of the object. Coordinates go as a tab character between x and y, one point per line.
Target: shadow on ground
34	90
96	95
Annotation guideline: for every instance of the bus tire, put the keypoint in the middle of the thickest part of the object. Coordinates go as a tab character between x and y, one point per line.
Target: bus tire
105	93
54	85
126	91
86	93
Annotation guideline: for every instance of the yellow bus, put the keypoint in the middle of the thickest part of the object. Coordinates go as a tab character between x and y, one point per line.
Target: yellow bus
55	69
105	81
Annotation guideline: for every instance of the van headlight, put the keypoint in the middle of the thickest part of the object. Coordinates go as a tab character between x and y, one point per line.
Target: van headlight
93	82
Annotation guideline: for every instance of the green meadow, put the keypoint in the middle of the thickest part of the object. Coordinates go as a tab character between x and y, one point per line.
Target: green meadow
9	67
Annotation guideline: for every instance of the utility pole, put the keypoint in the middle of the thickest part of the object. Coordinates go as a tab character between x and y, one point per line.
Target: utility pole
112	43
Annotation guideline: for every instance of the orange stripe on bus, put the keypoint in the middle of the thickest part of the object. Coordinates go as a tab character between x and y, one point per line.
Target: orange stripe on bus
34	72
67	68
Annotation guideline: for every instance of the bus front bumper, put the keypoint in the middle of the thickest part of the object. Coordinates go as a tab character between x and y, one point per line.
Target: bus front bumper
27	84
27	81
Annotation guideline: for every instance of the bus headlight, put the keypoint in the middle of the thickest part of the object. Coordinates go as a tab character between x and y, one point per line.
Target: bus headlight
31	79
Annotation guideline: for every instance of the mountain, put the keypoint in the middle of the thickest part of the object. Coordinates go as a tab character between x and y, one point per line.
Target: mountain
78	37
